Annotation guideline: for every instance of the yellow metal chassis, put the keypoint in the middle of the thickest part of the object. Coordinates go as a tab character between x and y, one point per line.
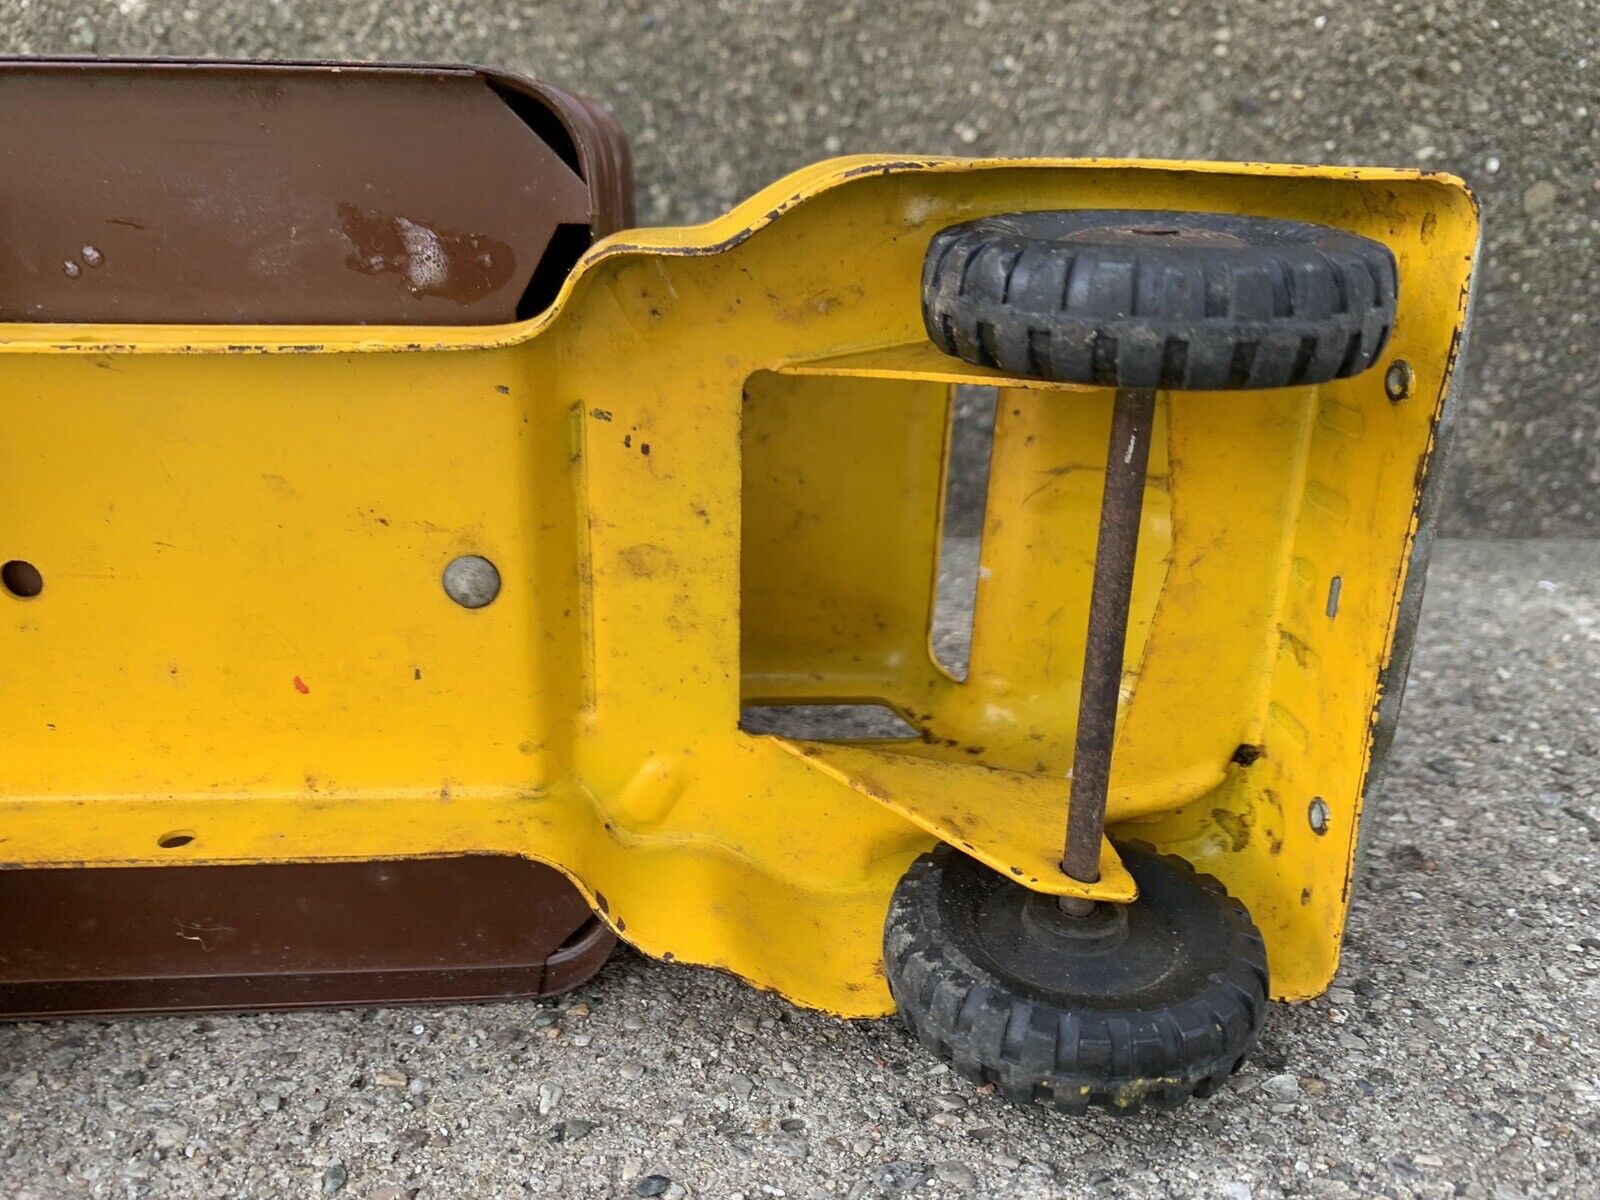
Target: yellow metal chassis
711	475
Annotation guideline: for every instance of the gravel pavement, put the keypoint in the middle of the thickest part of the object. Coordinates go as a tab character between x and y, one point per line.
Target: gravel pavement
723	97
1457	1054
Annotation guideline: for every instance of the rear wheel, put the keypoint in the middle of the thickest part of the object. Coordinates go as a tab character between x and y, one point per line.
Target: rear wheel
1126	1006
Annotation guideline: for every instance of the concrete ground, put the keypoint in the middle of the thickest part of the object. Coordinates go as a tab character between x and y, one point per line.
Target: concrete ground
1457	1055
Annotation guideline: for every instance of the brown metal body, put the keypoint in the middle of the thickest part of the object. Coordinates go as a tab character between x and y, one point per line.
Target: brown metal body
290	935
213	192
199	192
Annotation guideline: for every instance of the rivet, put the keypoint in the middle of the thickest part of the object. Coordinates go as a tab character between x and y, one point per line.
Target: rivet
472	581
1318	815
1397	380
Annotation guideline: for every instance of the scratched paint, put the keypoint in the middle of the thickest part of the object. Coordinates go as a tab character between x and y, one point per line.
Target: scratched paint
431	261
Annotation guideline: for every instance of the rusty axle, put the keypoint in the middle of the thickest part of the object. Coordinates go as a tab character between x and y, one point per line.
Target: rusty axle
1132	421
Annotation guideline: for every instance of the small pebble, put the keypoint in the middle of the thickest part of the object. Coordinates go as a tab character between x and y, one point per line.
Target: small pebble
1281	1087
900	1176
549	1097
574	1129
1540	198
956	1174
169	1135
652	1185
334	1178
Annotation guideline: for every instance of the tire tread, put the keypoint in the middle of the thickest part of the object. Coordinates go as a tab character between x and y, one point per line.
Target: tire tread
1032	1049
1154	315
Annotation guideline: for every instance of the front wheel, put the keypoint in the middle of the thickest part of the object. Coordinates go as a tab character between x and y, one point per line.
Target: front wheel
1157	299
1134	1005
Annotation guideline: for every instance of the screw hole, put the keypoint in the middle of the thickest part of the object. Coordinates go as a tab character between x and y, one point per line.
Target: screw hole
1397	380
1317	816
175	838
21	579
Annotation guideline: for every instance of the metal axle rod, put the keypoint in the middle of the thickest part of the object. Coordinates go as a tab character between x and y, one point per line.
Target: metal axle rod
1132	420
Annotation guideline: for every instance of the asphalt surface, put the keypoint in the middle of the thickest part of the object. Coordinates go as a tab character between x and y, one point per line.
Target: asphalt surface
1457	1054
721	98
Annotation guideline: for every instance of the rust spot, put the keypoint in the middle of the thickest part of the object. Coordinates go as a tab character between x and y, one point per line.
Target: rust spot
462	267
1305	896
600	414
1248	755
646	559
301	686
889	168
1237	827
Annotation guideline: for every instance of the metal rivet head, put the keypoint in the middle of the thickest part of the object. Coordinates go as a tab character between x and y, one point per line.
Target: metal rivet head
472	581
1318	815
1397	380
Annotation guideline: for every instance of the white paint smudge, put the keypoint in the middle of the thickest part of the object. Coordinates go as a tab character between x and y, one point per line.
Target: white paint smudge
427	264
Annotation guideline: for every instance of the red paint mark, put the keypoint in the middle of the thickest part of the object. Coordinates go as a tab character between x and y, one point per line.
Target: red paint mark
301	686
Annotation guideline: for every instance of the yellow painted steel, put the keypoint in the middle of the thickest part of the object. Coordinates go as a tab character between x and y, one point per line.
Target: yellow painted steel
710	475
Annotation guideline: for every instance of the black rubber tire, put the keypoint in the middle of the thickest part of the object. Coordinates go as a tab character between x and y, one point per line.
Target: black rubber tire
1130	298
1166	1009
